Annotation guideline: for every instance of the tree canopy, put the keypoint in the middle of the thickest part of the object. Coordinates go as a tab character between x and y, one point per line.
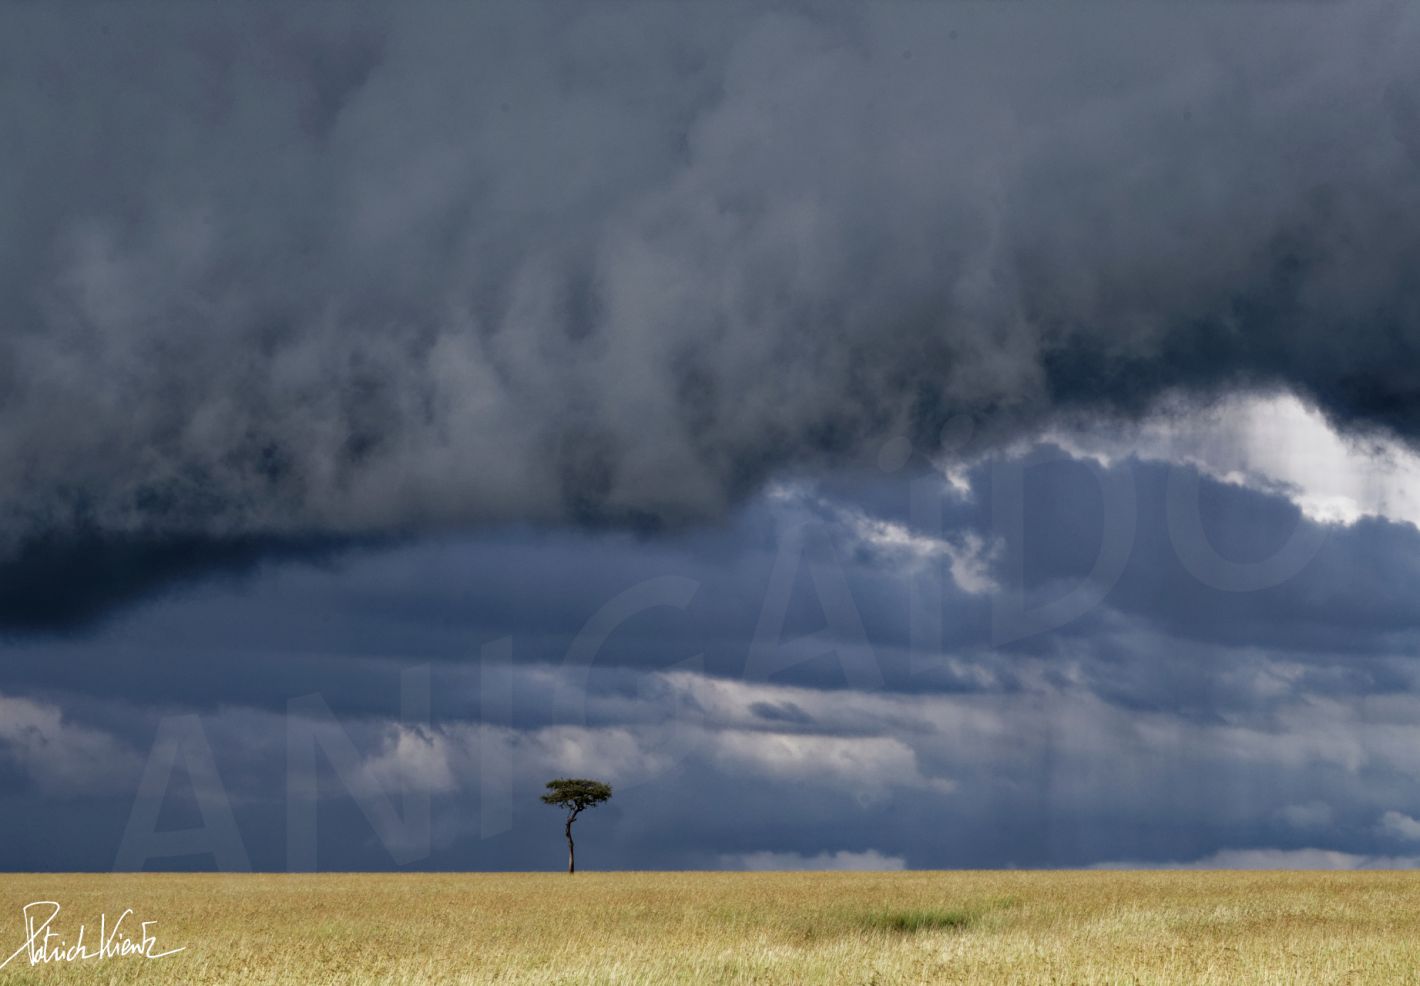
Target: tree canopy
576	794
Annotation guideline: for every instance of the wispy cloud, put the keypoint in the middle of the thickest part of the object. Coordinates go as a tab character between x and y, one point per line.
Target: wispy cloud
843	859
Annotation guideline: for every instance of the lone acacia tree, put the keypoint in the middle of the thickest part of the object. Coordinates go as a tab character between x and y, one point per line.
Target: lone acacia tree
576	795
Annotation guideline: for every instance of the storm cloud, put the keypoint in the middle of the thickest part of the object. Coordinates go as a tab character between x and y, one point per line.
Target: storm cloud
1171	721
271	274
996	425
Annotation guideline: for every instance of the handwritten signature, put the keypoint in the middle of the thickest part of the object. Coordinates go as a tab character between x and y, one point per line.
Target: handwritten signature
43	944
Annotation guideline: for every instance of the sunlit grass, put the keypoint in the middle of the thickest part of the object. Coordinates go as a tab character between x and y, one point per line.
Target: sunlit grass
653	928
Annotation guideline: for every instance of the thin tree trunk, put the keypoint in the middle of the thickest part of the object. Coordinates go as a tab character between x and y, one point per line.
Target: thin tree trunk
571	850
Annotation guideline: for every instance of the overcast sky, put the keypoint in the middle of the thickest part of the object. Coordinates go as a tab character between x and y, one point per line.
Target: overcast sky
913	435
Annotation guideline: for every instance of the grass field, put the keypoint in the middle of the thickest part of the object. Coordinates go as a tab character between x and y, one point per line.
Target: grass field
915	927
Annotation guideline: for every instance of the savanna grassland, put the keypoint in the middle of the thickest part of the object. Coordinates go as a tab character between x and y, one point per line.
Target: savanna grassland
785	928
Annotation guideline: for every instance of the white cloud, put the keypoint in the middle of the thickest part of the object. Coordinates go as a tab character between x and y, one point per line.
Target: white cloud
870	859
411	760
865	763
1275	443
968	555
620	754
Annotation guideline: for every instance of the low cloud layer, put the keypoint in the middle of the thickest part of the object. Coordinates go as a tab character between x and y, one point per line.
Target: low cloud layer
842	860
269	275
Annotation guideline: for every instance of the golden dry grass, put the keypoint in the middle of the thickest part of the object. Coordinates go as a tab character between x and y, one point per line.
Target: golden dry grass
654	928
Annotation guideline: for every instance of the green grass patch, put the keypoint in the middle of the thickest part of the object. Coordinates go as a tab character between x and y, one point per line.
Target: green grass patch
910	920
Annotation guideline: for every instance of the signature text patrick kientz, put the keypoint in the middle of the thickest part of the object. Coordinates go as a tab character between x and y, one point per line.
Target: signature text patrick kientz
45	942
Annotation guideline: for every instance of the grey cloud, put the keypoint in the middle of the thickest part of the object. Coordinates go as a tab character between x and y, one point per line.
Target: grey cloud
274	284
1050	776
60	758
1277	859
1157	638
376	271
868	859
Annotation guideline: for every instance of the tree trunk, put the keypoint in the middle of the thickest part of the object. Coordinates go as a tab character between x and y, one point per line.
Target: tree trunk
571	850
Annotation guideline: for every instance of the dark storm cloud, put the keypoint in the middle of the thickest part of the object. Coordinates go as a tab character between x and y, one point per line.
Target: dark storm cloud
60	581
1151	635
271	274
275	283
